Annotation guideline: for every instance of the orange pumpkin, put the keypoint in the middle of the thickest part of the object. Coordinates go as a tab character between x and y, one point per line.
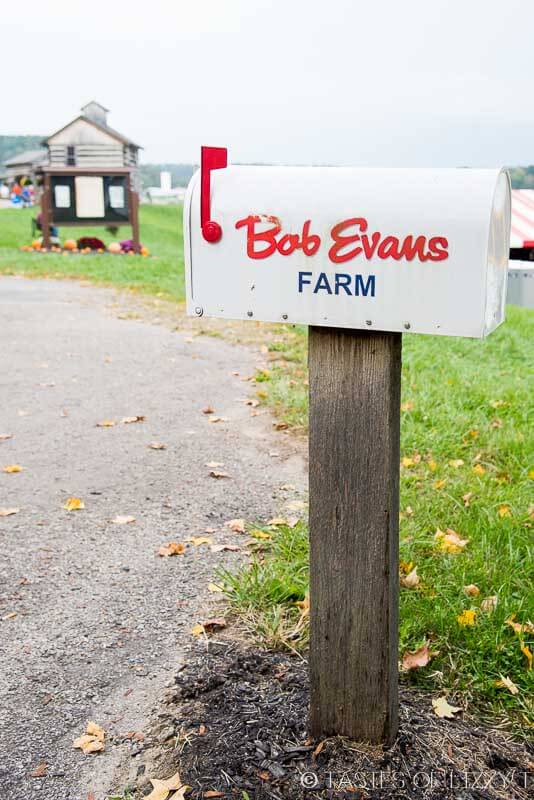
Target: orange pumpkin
114	247
69	244
36	244
145	251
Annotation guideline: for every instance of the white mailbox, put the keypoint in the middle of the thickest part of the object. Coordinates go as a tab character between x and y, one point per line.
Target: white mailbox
424	250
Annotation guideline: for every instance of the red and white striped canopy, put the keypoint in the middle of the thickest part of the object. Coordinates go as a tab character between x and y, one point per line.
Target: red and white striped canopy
522	232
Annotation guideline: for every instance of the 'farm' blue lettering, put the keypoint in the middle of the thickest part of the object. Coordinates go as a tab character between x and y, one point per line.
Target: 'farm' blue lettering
340	283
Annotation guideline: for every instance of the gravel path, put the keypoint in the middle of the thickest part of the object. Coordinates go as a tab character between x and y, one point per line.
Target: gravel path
92	621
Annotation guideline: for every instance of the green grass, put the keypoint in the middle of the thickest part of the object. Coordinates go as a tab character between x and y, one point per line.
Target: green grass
161	273
464	401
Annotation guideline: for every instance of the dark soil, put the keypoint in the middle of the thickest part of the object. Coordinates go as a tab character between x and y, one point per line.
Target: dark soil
235	724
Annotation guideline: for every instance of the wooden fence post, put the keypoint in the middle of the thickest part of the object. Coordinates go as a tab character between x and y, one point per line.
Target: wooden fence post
354	521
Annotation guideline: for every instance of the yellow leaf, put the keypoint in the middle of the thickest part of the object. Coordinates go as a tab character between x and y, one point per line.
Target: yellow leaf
411	580
527	627
106	423
198	540
74	504
236	525
304	605
440	484
260	534
473	434
478	469
443	709
407	406
8	512
457	462
214	588
449	541
407	462
261	394
197	630
127	520
129	420
531	474
10	468
467	618
418	658
95	730
528	653
159	792
406	566
498	403
277	521
506	683
504	510
471	590
171	549
432	465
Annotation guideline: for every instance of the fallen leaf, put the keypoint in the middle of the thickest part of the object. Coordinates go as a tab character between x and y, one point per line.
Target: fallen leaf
127	520
498	403
92	741
106	423
478	469
74	504
172	549
526	627
214	474
217	419
304	605
277	521
157	446
456	462
260	534
489	604
11	615
467	499
407	462
528	653
216	623
214	588
296	505
39	771
443	709
432	465
207	410
416	659
497	423
5	436
471	590
407	406
218	548
440	484
8	512
214	464
13	468
210	530
198	540
236	525
449	541
506	683
467	618
318	749
129	420
197	630
211	793
411	580
504	510
280	426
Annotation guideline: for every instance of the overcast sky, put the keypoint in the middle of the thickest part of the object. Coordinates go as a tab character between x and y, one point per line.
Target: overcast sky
380	82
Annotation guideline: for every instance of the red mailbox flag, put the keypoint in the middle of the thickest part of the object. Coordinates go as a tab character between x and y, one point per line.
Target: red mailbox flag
211	158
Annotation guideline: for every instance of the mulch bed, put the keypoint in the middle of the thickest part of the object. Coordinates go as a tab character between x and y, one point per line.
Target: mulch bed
239	720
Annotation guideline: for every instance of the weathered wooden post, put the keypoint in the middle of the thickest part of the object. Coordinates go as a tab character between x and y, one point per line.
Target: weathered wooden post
361	256
354	524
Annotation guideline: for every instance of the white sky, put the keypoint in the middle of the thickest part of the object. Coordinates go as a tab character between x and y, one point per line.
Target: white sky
380	82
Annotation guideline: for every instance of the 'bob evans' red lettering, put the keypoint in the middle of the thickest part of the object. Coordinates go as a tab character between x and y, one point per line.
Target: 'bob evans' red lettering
350	239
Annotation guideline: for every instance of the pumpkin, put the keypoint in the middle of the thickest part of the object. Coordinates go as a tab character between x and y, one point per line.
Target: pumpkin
36	244
114	247
145	251
69	244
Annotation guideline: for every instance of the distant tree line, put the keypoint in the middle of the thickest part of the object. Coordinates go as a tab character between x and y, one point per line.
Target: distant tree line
11	145
522	177
180	173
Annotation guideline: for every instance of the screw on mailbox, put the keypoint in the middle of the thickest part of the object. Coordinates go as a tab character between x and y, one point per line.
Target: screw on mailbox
404	256
199	311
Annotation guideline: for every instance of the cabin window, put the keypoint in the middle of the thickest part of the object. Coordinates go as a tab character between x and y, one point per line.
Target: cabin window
71	156
61	196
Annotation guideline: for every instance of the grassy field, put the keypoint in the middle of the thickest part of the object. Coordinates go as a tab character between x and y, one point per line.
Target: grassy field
467	519
467	475
161	273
